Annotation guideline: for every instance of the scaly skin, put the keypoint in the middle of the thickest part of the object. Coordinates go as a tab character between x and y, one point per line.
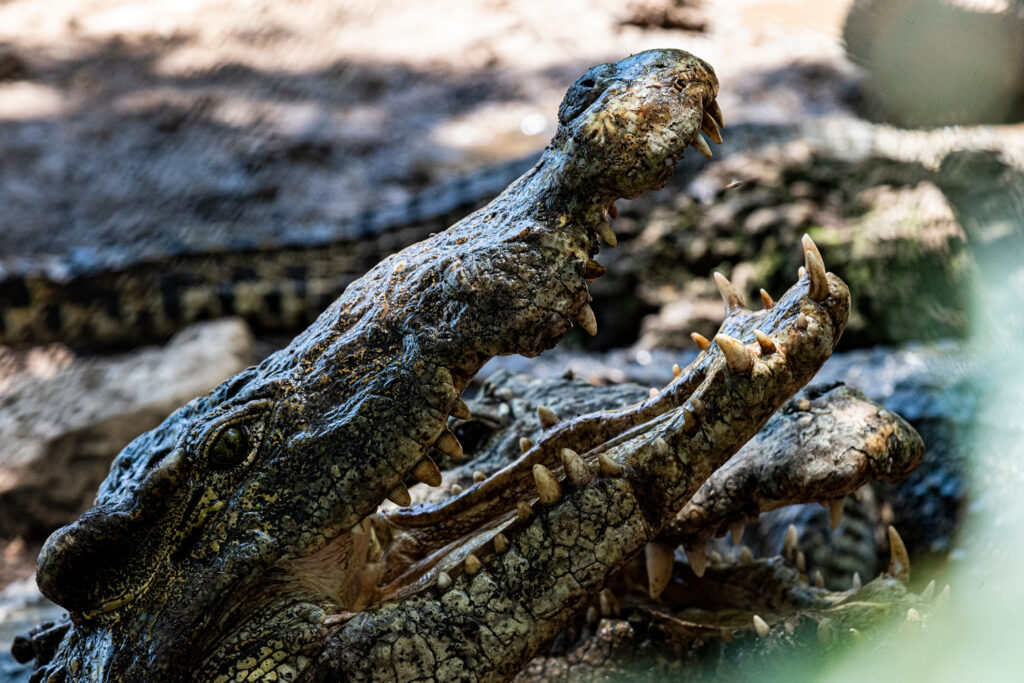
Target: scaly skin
222	545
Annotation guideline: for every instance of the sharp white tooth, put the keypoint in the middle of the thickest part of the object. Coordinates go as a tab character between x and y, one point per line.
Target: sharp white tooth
426	471
730	295
479	477
699	144
500	543
676	371
709	126
899	560
461	410
659	559
525	444
790	544
472	564
697	557
815	268
604	229
765	342
736	531
448	444
761	626
855	583
653	392
609	468
737	355
547	417
716	112
576	471
929	591
400	496
548	487
444	580
835	512
586	320
766	300
700	340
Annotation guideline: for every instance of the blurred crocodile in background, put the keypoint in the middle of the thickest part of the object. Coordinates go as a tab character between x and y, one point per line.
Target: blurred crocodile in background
241	539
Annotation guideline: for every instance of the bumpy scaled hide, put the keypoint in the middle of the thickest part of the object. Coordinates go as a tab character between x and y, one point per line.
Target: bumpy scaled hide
239	540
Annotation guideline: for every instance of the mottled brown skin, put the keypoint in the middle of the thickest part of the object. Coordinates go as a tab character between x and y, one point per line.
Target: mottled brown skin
222	544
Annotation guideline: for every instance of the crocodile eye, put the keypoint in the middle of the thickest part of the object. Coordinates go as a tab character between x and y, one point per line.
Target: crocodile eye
587	83
679	84
229	448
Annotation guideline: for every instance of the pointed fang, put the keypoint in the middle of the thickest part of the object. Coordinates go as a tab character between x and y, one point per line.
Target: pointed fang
929	591
472	564
525	444
835	512
593	270
586	320
400	496
426	471
766	300
818	287
676	371
765	342
500	544
547	417
461	410
523	511
737	355
761	626
444	580
701	145
716	113
690	423
659	559
700	340
548	488
730	295
604	229
736	531
697	556
609	468
576	471
449	445
710	128
790	544
899	561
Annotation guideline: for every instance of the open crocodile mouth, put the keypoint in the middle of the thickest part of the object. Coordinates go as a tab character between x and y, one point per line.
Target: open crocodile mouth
757	361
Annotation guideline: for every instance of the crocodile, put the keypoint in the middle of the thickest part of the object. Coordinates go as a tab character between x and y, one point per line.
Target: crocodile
238	540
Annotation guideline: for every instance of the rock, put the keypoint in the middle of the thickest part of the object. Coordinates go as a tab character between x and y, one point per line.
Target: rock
62	421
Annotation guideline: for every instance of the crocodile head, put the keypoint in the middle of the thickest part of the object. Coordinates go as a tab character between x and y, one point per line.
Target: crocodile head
237	534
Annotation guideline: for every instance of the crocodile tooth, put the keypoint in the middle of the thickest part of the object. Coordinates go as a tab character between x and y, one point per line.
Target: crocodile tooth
661	447
855	583
801	321
609	468
801	272
730	295
737	355
426	471
593	270
791	543
761	626
472	564
524	444
676	371
456	489
715	557
855	635
765	342
697	556
801	560
358	529
613	210
523	510
448	444
826	634
400	496
548	488
818	288
899	561
736	531
942	601
716	113
699	144
444	580
746	556
586	320
500	543
461	410
659	559
929	591
700	340
479	476
652	392
708	125
547	417
766	300
609	603
593	615
604	229
576	471
690	423
819	579
835	512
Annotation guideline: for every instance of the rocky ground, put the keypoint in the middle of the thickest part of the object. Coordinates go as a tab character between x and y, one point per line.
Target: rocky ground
139	128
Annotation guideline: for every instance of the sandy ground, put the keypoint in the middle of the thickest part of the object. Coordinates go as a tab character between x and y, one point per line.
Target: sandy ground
138	126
